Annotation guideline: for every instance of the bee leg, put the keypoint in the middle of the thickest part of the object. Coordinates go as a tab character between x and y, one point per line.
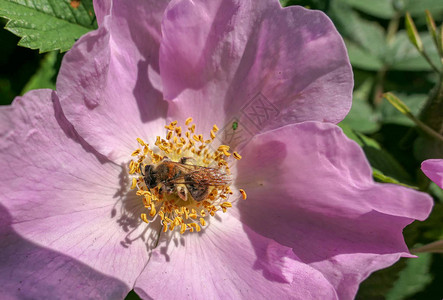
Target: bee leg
198	192
142	171
169	188
184	160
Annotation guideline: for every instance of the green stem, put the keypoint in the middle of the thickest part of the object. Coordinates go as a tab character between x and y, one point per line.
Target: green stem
428	130
428	59
393	27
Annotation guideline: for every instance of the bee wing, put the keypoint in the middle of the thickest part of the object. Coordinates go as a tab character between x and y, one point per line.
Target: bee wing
197	175
210	177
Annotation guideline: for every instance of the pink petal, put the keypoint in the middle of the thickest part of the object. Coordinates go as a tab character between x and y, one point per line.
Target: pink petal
104	86
310	188
63	195
218	56
29	271
46	170
102	8
433	168
228	261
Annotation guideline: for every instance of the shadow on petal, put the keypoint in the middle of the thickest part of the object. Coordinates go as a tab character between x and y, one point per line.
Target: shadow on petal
30	271
130	205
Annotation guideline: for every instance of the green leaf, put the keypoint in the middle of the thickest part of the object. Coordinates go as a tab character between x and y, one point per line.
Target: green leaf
403	56
413	278
48	24
436	191
377	8
361	116
380	282
362	58
397	103
380	177
390	115
432	29
44	78
132	296
368	36
383	164
417	8
412	32
361	139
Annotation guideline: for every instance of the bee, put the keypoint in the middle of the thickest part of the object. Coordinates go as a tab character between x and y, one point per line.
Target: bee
173	177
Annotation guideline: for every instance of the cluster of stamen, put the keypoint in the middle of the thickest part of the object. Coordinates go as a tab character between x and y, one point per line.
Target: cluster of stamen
177	212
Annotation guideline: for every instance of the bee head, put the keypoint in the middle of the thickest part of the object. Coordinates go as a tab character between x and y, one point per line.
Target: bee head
150	176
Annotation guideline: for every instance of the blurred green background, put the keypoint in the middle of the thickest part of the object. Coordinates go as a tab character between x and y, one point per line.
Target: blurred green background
383	60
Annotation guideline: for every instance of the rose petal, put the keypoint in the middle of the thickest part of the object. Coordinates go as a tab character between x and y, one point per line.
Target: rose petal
102	8
103	83
64	196
29	271
265	65
433	168
94	238
46	170
310	188
226	261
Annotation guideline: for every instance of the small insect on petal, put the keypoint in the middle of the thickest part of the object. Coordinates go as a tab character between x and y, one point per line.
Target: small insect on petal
187	186
234	125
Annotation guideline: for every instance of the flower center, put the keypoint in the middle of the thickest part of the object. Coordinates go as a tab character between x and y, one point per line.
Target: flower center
182	180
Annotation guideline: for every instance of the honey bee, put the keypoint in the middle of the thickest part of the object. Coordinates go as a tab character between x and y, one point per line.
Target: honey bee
175	176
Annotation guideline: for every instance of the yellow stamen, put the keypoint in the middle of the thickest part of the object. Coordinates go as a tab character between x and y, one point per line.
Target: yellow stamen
236	155
144	218
134	183
196	138
169	135
147	201
188	121
176	209
225	152
153	211
243	194
182	228
140	141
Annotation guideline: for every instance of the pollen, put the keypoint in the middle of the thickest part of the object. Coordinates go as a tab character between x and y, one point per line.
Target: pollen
183	179
236	155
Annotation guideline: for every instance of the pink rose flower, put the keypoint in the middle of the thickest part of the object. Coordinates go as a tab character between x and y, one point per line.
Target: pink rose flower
433	168
314	224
